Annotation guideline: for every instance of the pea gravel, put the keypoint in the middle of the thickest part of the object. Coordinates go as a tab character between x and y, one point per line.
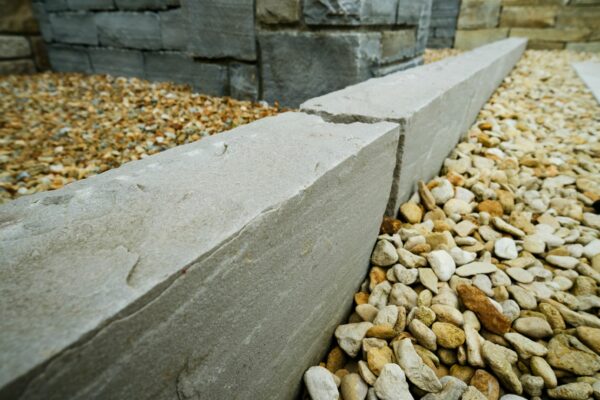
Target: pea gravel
56	128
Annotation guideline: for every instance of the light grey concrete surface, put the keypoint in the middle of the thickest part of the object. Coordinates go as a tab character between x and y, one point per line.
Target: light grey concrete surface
215	270
434	104
589	72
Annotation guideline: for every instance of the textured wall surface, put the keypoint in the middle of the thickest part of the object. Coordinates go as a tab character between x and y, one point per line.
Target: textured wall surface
548	24
22	50
442	29
277	50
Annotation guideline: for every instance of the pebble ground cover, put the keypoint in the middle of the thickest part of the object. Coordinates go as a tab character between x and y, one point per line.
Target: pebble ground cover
486	287
56	128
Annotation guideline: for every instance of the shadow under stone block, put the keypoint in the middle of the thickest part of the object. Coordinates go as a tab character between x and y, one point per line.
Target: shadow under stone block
176	67
69	59
117	62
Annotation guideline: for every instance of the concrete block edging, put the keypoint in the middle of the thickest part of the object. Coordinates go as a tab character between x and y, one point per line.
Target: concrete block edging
215	269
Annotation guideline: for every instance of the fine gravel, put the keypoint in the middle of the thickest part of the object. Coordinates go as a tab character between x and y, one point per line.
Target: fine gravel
56	128
486	287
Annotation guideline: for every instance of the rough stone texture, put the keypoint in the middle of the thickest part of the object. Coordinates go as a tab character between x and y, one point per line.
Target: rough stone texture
528	17
16	67
588	47
178	67
173	30
479	14
467	40
69	59
131	265
221	28
91	4
76	28
397	45
17	17
14	47
129	30
145	4
243	81
350	55
117	62
350	12
278	11
589	72
435	104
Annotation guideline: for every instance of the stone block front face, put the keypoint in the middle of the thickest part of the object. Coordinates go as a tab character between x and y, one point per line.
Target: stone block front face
308	46
221	28
294	64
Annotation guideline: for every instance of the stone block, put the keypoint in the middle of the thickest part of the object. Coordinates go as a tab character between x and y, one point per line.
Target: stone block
397	45
537	44
69	59
40	53
201	272
442	22
91	4
322	62
14	47
439	42
173	30
135	5
580	17
411	11
117	62
221	28
589	72
535	2
592	47
434	104
243	81
584	3
39	11
16	67
350	12
552	34
467	40
397	67
445	33
56	5
176	67
438	6
136	30
17	17
528	17
278	11
423	26
478	14
74	28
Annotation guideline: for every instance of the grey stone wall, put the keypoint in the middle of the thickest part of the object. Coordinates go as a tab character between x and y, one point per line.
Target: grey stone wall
277	50
442	29
21	47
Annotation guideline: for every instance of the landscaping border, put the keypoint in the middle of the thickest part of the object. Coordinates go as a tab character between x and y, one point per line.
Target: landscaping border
219	269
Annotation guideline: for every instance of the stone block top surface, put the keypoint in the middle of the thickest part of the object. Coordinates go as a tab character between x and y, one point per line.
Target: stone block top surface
398	96
99	250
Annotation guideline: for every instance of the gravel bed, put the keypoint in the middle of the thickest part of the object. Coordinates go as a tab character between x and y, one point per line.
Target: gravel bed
487	285
433	55
57	128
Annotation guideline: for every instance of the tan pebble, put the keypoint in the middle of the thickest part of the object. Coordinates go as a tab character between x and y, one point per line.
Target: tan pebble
376	276
486	383
361	298
378	357
553	316
462	372
386	332
335	359
493	207
448	336
411	212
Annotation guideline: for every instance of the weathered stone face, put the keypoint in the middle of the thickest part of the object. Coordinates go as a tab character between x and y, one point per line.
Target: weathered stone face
17	17
350	55
221	28
350	12
278	11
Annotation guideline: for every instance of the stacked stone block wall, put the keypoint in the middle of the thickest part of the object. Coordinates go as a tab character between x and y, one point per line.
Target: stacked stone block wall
21	46
442	28
549	24
277	50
